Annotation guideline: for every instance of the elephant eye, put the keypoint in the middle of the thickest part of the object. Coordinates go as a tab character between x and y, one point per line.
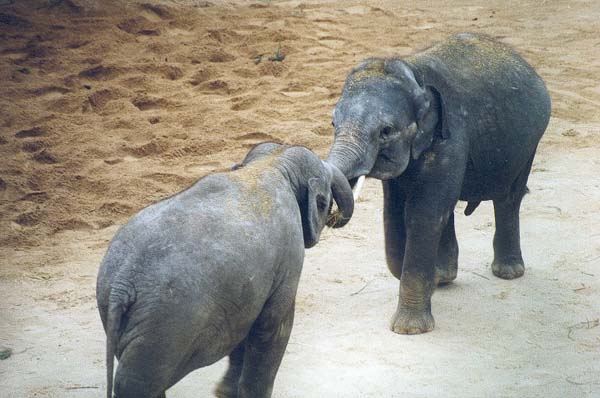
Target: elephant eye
385	131
332	123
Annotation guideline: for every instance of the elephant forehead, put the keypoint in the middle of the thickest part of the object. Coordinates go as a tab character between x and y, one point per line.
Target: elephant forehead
367	81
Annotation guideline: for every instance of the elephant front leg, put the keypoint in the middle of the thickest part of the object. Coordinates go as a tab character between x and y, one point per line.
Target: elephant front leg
413	315
508	261
228	387
447	259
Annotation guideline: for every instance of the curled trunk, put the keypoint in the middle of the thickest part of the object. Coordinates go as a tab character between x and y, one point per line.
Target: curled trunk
342	194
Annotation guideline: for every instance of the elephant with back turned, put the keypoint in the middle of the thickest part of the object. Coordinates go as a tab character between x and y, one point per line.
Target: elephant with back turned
458	121
213	271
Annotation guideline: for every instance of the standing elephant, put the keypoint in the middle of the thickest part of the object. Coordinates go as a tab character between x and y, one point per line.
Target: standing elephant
460	120
213	271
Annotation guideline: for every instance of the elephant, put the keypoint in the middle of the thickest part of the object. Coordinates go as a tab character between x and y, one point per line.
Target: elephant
213	271
460	120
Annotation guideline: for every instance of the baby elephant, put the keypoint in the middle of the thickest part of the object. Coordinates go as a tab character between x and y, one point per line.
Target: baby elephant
213	271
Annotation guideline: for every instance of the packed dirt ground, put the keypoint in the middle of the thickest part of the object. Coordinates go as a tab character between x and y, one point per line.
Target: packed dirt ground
105	108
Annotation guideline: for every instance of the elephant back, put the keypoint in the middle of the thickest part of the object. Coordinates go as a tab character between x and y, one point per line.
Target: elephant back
490	93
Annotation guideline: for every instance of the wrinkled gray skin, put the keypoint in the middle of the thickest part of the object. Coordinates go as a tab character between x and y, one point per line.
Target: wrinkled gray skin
461	120
213	271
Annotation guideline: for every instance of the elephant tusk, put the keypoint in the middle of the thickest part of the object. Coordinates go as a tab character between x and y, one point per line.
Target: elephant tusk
358	187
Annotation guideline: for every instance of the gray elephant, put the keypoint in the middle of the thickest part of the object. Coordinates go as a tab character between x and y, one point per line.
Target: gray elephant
213	271
458	121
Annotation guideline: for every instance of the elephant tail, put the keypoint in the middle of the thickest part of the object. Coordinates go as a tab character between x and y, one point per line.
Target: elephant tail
471	206
122	295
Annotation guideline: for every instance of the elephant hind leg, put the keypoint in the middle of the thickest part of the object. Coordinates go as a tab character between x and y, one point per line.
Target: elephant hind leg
508	261
228	387
266	343
447	259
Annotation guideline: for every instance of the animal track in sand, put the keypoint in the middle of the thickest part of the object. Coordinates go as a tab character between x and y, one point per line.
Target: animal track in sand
246	73
154	147
49	91
204	168
169	178
34	146
255	137
145	102
201	75
333	42
36	197
45	157
101	72
156	12
100	98
220	56
33	132
29	219
112	208
243	103
215	87
140	26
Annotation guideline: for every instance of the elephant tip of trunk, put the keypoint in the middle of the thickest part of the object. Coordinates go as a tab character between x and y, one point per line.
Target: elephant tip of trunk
337	220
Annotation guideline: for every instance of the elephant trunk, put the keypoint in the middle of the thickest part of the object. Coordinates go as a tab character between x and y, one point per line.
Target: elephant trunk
342	194
353	157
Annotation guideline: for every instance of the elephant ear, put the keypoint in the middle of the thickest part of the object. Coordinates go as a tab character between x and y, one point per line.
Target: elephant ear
439	80
315	211
422	101
430	112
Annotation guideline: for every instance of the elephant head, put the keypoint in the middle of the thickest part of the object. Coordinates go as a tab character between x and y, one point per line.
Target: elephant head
316	184
383	119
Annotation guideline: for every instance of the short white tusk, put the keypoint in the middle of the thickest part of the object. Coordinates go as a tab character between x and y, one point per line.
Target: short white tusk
358	187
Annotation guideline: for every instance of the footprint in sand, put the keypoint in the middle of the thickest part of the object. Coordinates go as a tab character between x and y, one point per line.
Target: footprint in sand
29	219
333	42
220	56
216	86
49	92
204	168
169	178
243	103
45	157
255	137
101	97
155	12
33	132
36	197
139	26
34	146
154	147
201	75
145	102
100	72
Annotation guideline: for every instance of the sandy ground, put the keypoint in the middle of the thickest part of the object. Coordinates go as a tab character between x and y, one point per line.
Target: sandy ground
104	109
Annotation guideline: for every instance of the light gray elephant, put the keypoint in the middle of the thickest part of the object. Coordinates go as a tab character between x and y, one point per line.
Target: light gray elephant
213	271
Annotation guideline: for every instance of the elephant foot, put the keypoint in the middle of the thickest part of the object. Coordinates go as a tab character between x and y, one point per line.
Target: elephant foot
412	322
226	390
445	274
508	269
